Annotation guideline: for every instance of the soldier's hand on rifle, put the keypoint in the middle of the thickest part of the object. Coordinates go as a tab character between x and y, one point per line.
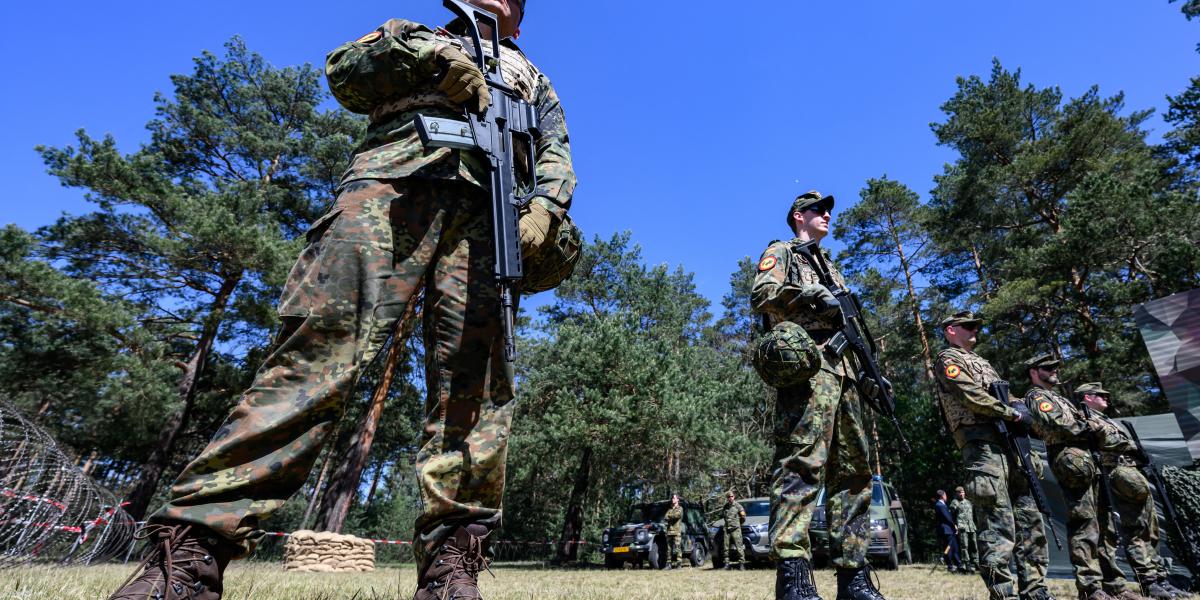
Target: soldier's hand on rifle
463	82
1023	417
534	227
822	300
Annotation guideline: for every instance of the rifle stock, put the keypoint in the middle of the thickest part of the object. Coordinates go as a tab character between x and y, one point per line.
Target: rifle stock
1160	486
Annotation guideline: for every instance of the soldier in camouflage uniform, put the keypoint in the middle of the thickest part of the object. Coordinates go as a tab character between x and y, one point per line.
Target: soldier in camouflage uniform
964	520
819	434
674	518
407	220
1091	535
1133	495
732	516
1006	517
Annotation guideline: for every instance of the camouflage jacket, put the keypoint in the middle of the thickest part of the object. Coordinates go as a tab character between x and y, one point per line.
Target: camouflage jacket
963	378
777	293
391	74
1117	445
964	515
1055	419
674	519
733	514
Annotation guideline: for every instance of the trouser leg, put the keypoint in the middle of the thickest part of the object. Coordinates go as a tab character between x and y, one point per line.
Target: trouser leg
468	410
1139	521
987	489
340	303
848	482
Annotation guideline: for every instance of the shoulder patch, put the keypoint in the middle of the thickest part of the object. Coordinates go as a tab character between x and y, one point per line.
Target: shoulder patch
370	38
952	371
766	263
1045	406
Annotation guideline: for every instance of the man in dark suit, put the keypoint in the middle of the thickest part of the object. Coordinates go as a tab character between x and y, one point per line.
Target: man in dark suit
947	533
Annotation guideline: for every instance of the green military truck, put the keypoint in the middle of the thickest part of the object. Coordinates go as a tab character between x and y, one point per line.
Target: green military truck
642	538
889	528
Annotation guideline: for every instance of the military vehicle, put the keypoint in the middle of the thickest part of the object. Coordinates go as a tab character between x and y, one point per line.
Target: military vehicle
642	538
889	528
754	532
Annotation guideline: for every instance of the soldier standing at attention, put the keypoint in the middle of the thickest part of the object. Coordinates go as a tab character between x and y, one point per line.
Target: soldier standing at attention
406	219
998	492
819	434
674	519
964	519
1133	495
1089	530
732	516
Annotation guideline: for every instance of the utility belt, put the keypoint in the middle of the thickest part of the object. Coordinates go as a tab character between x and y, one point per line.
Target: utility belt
979	432
413	102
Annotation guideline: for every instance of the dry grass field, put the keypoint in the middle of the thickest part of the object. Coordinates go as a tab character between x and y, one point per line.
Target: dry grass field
264	581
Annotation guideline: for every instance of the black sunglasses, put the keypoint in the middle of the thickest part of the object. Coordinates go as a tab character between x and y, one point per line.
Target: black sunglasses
820	210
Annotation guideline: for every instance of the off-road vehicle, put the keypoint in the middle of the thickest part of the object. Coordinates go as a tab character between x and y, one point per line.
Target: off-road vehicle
889	528
642	539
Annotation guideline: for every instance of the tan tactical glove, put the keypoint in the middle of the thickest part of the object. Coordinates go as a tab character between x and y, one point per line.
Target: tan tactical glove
463	81
534	225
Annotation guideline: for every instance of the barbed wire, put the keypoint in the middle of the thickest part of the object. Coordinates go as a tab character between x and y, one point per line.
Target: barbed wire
50	511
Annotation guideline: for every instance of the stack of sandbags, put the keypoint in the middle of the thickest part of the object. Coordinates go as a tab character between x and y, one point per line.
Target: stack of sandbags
327	552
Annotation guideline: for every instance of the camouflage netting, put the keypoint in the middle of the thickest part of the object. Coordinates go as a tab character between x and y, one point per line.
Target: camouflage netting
327	552
786	356
1183	486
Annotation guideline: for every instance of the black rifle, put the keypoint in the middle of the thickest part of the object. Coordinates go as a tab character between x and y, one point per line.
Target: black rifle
1148	465
1110	499
1018	444
855	337
507	116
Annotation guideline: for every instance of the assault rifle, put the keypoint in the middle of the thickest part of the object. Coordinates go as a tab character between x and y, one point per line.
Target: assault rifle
1018	444
1110	499
508	116
855	337
1148	465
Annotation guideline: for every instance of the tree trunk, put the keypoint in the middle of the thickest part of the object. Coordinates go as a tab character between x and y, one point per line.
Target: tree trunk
343	486
312	500
914	305
568	544
374	485
152	470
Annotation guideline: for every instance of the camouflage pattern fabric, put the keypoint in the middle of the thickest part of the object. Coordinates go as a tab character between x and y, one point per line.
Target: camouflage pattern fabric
964	520
1031	550
1139	522
674	518
365	260
962	380
989	477
732	515
819	433
391	74
1091	536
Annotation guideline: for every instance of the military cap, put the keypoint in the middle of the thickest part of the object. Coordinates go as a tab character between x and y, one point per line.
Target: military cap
963	317
1091	388
1044	360
806	200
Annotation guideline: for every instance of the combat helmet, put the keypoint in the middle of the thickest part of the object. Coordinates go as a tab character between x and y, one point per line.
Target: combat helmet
555	262
786	356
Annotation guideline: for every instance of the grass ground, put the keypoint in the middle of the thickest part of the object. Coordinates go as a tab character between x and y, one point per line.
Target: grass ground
266	581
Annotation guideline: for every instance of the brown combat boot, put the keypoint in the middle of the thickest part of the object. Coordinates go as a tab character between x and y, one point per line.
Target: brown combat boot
453	574
1128	595
1099	595
186	563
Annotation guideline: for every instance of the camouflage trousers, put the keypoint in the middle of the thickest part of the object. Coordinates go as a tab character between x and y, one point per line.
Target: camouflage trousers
1009	526
735	550
1092	538
1139	522
820	440
365	260
968	548
674	547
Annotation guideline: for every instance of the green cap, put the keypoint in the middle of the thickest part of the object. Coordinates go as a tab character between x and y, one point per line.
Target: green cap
1043	361
963	317
1091	388
807	199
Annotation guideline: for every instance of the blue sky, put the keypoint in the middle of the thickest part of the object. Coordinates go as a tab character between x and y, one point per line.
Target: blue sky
692	124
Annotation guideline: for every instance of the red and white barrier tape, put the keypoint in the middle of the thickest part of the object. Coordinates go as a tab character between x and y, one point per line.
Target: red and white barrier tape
408	543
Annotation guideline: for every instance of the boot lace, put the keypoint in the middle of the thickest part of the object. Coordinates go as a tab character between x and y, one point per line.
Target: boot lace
465	565
162	564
